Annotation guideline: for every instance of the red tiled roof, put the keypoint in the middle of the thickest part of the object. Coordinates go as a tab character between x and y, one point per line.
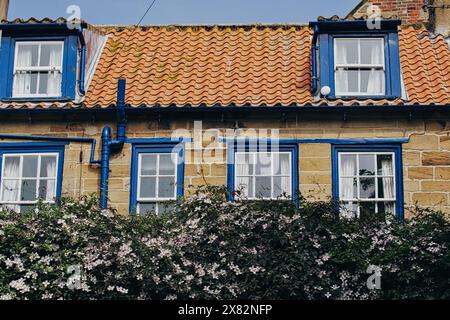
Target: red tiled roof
243	66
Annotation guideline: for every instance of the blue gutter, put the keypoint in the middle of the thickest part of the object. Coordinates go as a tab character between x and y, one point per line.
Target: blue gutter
108	144
218	108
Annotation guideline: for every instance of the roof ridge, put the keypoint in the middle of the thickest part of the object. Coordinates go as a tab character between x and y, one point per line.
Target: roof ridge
219	26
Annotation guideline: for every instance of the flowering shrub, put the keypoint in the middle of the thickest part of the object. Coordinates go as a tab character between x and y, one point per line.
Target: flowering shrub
211	248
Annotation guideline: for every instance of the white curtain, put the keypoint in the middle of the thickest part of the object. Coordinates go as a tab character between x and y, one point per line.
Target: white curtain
348	166
54	77
388	182
285	169
51	172
376	76
11	186
376	81
375	84
341	74
243	161
22	80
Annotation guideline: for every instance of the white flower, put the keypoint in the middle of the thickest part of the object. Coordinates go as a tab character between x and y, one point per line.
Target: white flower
124	250
6	297
326	257
254	269
121	290
107	213
20	285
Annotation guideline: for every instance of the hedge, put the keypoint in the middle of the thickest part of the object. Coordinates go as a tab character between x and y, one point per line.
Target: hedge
211	248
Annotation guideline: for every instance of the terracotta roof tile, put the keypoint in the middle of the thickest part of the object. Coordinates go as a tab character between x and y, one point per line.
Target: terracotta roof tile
244	66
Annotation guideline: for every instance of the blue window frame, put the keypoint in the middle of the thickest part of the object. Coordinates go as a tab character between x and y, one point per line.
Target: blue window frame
157	176
30	171
368	178
68	69
263	169
390	63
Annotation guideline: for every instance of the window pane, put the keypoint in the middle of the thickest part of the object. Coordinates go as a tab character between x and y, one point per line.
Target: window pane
372	51
11	190
11	168
165	207
348	165
244	164
147	208
167	164
24	208
148	164
166	187
386	207
48	166
25	83
366	209
262	187
282	164
348	188
384	165
366	164
263	164
47	190
281	187
29	166
346	51
367	188
347	81
43	81
148	187
386	188
27	55
245	185
372	82
51	55
28	190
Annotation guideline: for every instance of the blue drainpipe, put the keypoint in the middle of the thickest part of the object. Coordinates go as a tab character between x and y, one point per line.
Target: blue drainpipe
81	75
314	60
109	145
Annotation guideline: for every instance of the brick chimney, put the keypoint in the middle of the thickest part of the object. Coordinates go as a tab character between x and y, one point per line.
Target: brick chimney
435	14
4	4
409	11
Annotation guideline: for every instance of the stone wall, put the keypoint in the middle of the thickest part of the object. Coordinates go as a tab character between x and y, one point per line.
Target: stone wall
426	157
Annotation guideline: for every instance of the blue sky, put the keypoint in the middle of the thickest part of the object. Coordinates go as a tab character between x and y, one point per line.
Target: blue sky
185	11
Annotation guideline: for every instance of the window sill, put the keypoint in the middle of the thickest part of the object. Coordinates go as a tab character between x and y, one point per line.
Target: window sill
362	97
25	99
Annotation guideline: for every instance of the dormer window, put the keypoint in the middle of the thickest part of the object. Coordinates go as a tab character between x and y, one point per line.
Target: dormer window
359	66
353	61
44	61
38	69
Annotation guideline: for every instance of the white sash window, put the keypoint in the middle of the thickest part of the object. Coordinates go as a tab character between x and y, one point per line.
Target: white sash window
157	182
359	66
27	177
263	175
38	69
367	183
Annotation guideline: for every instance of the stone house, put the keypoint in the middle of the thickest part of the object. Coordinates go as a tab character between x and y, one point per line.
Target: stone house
356	109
